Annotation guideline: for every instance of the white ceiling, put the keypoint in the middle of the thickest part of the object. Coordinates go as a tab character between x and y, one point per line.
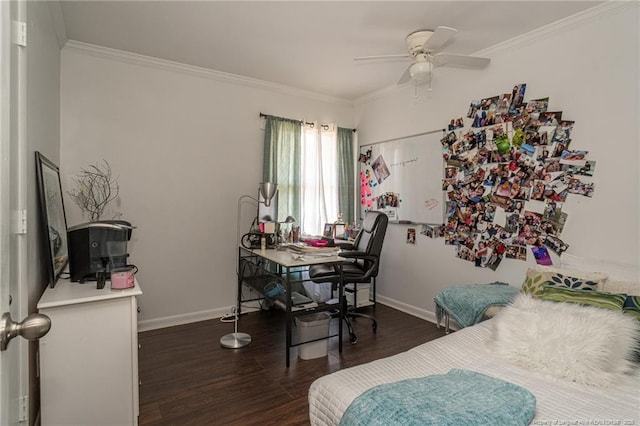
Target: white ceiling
306	44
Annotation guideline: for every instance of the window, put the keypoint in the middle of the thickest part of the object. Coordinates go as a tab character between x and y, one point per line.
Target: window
314	168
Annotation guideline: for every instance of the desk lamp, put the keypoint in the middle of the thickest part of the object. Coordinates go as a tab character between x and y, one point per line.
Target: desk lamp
237	340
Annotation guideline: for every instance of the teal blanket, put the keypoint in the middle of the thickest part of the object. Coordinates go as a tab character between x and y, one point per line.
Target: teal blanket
458	398
466	304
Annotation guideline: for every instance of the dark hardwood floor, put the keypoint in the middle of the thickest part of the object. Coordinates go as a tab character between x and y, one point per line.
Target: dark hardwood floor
187	378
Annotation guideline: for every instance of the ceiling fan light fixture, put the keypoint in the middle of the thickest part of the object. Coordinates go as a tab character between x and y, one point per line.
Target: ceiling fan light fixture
420	71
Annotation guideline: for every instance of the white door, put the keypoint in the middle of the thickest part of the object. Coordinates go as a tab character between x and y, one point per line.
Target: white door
13	300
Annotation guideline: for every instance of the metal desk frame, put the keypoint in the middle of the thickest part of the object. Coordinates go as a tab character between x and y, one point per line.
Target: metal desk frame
286	267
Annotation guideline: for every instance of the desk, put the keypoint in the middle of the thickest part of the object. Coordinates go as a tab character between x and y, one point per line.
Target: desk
257	268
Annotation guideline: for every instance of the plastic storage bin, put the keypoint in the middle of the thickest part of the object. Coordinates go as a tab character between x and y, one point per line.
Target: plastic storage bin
364	292
314	326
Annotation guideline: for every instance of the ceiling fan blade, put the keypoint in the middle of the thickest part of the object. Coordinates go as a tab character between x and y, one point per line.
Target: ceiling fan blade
461	61
405	77
382	57
439	38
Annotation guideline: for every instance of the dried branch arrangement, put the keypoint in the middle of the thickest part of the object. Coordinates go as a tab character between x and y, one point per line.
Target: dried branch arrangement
95	188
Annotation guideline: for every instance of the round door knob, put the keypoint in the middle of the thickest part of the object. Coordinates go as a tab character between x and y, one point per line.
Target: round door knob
32	327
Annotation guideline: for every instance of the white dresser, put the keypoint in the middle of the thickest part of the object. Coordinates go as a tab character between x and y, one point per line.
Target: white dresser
89	358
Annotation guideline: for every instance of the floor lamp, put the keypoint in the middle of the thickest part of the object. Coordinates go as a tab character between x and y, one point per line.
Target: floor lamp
237	340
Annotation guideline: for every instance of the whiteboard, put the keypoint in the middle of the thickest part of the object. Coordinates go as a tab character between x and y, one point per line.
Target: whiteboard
403	178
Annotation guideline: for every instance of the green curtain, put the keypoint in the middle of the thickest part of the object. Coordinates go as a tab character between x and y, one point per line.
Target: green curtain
346	178
281	164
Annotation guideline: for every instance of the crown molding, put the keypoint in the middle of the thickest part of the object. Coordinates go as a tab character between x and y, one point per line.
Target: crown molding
611	7
177	67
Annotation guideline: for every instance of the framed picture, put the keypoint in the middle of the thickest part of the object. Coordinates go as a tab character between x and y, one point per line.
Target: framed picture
339	230
53	222
328	230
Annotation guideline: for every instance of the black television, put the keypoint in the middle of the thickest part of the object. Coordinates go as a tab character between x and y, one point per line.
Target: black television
53	222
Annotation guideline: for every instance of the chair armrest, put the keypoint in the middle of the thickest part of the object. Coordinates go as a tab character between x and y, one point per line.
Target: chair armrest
357	255
344	244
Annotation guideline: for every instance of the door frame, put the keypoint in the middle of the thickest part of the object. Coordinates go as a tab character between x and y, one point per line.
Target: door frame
14	362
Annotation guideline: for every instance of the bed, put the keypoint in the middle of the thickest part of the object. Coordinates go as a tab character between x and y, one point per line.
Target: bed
615	400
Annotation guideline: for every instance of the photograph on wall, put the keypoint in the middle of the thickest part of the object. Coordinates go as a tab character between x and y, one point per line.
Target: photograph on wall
490	104
552	210
537	105
366	156
498	250
549	118
554	227
576	186
481	254
432	230
587	170
516	252
456	123
555	244
380	169
473	108
563	131
542	256
411	236
574	158
517	96
503	104
464	253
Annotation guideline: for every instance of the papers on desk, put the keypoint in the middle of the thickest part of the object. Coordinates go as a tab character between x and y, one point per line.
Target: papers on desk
299	249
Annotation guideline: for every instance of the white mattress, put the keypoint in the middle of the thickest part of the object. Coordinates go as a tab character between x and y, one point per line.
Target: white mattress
556	400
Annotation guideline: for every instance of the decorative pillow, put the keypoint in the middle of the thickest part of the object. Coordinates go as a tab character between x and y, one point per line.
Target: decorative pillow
533	282
583	344
540	275
599	299
632	306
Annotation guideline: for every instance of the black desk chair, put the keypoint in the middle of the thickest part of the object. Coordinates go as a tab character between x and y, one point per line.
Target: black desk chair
363	267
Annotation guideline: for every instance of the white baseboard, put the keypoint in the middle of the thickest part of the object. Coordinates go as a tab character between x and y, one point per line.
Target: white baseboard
412	310
153	324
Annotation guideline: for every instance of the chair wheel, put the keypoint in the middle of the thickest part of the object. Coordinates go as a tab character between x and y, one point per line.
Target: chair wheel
353	339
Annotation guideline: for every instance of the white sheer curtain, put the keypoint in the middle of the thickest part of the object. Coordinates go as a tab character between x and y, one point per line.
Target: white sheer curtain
319	178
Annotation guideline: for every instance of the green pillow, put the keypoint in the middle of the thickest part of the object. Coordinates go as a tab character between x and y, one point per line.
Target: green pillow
599	299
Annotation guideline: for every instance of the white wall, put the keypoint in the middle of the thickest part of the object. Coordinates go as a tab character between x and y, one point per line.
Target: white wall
588	66
185	143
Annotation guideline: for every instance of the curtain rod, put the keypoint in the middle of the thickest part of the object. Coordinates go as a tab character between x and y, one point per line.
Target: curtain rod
406	137
324	126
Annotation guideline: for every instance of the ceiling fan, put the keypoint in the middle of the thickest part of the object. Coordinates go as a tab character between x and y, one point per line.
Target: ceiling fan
423	47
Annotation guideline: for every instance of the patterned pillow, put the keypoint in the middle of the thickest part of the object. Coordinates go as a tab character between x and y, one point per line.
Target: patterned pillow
540	275
572	282
599	299
534	280
632	306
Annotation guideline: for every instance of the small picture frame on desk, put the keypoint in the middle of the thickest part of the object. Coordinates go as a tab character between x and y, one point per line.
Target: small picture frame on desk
339	231
328	230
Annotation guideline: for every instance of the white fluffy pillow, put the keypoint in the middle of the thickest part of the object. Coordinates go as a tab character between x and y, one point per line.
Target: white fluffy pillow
584	344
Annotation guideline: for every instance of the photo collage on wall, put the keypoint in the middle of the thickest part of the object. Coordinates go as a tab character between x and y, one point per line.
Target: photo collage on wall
518	158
